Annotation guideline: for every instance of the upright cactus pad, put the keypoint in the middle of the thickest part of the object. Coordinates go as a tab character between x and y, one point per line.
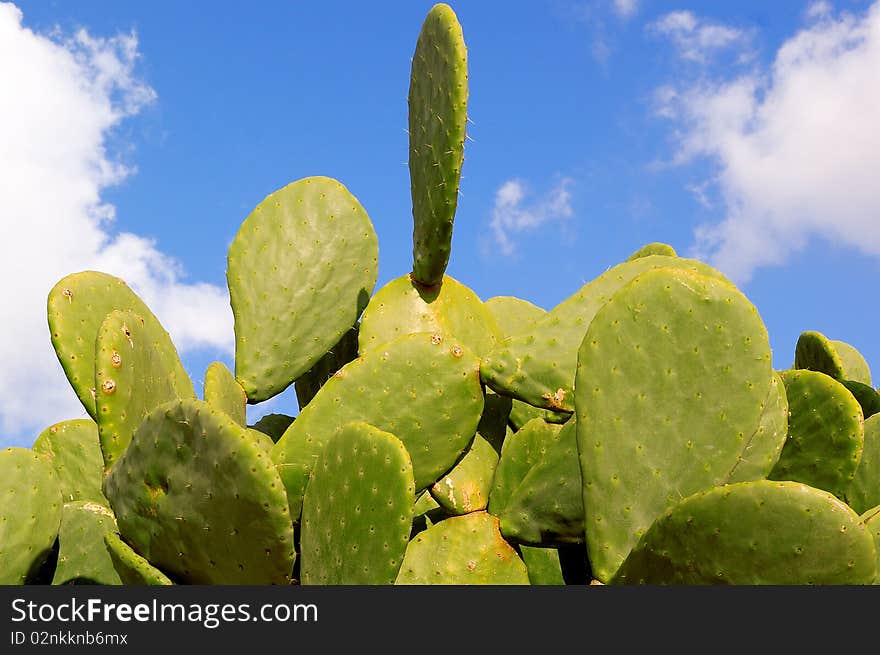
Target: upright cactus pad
840	360
672	375
30	513
513	315
450	309
345	350
392	387
438	95
223	392
76	306
863	492
199	499
655	248
825	433
75	452
136	370
82	556
300	272
866	395
462	550
755	533
357	509
273	425
854	364
543	565
466	487
538	365
131	567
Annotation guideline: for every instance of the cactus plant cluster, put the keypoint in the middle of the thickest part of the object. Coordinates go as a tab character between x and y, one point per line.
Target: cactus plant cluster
635	433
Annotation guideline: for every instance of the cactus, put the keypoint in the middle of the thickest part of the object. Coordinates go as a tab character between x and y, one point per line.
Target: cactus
357	509
825	433
426	512
655	248
308	384
30	513
438	95
465	550
392	387
300	271
749	533
131	568
200	500
76	307
863	491
865	395
82	556
840	360
273	425
671	378
223	392
513	315
75	452
465	488
543	565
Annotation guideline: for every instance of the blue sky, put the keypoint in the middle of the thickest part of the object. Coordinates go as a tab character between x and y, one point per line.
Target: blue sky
742	133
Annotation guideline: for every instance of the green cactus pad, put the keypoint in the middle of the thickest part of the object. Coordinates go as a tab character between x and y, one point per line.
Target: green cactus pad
521	413
512	314
872	524
755	533
30	513
438	94
538	365
547	506
136	370
825	433
426	512
273	425
450	310
131	567
671	380
357	510
866	395
300	272
223	392
493	423
77	306
521	451
345	350
863	491
82	557
462	550
766	442
655	248
421	388
75	452
263	440
543	565
466	487
200	499
854	365
840	360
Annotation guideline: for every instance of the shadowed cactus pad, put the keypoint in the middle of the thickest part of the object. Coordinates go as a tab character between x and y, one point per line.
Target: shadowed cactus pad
462	550
223	392
300	272
438	95
82	556
131	567
357	509
75	453
308	384
672	376
825	433
191	471
840	360
863	491
543	565
394	387
30	513
750	533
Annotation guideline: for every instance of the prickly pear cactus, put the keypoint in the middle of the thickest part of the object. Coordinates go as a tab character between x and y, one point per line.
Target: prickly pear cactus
357	509
131	568
655	248
345	350
462	550
82	556
300	272
192	471
223	392
672	376
438	95
466	487
840	360
865	395
863	491
543	565
751	533
30	513
512	314
75	452
273	425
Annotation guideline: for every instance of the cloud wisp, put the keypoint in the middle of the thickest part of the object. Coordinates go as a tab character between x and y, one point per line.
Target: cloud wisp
513	215
61	96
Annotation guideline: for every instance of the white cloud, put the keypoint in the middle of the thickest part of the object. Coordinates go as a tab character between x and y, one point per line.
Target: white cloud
697	39
797	147
60	98
626	9
511	215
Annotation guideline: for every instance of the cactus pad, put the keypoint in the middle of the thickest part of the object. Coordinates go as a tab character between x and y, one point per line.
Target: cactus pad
357	509
82	556
131	567
75	452
513	315
755	533
825	433
543	565
840	360
30	513
223	392
300	271
345	350
462	550
273	425
466	487
672	376
393	387
865	395
863	491
438	94
655	248
198	498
